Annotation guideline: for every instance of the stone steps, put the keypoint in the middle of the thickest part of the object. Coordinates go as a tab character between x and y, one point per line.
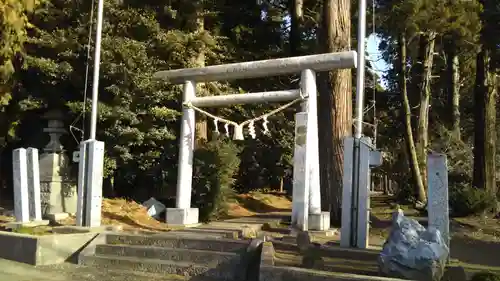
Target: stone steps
198	254
187	269
196	242
226	233
183	255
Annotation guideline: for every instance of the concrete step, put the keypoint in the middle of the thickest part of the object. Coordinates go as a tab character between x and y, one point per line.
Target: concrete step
211	258
223	272
226	233
179	242
190	234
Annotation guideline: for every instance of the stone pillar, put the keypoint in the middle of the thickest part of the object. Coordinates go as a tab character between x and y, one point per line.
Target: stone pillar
308	89
57	189
183	214
317	220
90	177
300	195
437	205
34	184
20	176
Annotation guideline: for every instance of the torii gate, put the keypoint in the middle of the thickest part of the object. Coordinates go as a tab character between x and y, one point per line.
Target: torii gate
306	213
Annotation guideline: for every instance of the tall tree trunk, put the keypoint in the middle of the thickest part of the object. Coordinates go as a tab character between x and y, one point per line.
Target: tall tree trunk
196	24
410	145
454	91
334	105
427	50
297	17
485	122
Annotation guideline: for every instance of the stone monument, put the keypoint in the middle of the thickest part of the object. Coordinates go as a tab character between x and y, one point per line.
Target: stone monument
20	176
27	207
58	191
437	205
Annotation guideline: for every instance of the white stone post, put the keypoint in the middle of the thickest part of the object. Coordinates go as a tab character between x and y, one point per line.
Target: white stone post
301	174
21	196
437	206
308	89
90	183
35	206
317	220
183	214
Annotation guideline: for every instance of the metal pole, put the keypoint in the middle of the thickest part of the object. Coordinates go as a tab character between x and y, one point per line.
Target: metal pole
358	125
360	71
97	62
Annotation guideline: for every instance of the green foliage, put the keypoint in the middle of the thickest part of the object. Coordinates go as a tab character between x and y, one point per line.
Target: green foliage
485	276
13	33
466	200
215	165
459	153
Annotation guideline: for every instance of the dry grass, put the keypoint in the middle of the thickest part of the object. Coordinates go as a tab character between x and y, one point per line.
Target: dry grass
254	203
127	214
131	215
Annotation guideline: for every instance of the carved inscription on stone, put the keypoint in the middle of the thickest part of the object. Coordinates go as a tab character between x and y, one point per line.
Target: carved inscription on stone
68	189
45	197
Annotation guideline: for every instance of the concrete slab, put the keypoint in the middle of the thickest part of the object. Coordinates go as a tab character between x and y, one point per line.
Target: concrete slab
42	250
30	224
83	229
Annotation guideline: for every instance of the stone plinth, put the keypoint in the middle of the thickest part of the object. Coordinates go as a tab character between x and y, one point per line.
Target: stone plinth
319	221
182	217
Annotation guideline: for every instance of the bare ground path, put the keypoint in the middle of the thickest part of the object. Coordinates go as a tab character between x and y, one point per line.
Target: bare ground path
15	271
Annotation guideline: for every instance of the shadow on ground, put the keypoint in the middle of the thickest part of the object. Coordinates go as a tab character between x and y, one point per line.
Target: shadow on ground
474	251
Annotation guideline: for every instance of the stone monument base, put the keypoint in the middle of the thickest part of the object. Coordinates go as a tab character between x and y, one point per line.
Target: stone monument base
182	217
30	224
57	216
319	221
